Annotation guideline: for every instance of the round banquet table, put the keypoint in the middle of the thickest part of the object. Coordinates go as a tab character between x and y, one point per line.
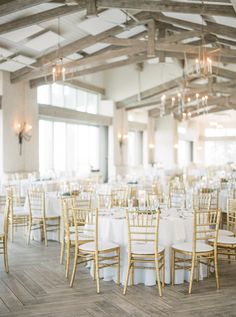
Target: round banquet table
113	227
172	230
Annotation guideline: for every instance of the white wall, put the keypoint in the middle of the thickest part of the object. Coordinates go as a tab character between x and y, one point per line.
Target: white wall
123	82
19	104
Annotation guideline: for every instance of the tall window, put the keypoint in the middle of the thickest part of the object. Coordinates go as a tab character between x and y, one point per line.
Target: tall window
220	152
68	147
135	148
220	146
68	97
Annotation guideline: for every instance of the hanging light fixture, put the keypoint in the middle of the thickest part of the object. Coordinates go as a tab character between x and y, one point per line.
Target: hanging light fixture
162	107
58	69
203	63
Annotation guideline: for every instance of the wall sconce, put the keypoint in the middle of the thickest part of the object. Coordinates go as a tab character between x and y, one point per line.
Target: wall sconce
151	154
23	133
122	138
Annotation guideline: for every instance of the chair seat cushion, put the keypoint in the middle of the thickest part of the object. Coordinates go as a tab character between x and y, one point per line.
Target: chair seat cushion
102	246
145	248
226	233
47	215
225	240
188	247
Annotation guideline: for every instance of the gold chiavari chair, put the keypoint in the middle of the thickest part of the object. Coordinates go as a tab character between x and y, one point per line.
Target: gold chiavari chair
153	200
83	200
215	199
143	247
18	216
4	234
156	189
231	219
202	200
66	202
206	226
106	201
39	218
69	229
177	198
226	243
86	228
120	197
74	189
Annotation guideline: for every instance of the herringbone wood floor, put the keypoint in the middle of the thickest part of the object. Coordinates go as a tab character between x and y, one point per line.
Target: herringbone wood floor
36	286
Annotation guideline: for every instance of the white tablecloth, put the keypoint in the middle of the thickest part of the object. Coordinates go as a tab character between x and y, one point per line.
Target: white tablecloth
172	230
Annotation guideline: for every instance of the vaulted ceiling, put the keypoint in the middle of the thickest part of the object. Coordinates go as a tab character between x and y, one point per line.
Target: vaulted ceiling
93	36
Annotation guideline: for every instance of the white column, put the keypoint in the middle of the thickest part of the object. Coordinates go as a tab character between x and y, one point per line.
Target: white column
151	140
19	105
166	139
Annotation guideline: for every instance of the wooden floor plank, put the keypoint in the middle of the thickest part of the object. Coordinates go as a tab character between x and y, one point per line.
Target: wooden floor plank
36	286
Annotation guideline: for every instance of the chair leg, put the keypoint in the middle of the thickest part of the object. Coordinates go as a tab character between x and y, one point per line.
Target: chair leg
127	275
229	257
198	270
216	270
6	256
45	232
74	267
29	230
67	264
12	230
62	249
173	267
59	231
192	275
163	270
94	271
97	273
158	275
118	267
208	267
132	275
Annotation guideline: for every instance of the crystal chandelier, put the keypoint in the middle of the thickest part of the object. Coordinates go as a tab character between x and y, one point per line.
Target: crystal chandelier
203	64
58	71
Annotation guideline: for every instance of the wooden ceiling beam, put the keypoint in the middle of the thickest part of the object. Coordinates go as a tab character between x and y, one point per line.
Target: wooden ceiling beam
11	6
108	53
40	17
151	44
96	58
72	48
223	72
91	8
214	28
86	86
48	79
170	6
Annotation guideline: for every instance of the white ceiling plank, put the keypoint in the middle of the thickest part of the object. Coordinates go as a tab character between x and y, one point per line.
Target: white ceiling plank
19	35
44	41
